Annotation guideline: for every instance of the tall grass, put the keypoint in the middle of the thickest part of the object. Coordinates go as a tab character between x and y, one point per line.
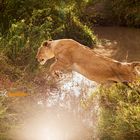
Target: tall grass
120	112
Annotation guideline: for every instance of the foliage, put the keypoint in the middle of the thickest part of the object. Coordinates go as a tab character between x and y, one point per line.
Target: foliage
120	112
127	12
16	10
21	41
116	12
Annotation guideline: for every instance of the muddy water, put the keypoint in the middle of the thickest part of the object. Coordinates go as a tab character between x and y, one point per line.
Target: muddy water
121	43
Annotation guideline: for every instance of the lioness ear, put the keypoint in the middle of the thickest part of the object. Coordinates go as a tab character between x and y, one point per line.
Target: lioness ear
46	43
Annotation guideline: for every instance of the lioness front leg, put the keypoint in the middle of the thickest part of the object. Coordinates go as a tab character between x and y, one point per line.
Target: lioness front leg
57	68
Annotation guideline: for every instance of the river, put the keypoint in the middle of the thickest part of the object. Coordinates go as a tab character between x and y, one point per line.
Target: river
120	43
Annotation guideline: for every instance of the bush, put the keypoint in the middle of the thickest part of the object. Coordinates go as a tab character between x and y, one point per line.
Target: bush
119	112
115	12
24	37
127	12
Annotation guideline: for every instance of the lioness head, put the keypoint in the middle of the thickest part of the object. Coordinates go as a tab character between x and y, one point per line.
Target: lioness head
44	52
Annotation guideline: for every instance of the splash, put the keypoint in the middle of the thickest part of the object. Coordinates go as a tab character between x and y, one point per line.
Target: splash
61	116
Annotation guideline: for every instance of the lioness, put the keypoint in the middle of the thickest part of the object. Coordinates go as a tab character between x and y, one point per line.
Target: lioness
71	55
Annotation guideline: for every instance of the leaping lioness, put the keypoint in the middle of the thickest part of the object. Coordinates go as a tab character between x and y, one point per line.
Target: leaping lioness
71	55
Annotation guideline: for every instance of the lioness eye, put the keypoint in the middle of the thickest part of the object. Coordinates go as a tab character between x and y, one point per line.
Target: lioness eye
42	59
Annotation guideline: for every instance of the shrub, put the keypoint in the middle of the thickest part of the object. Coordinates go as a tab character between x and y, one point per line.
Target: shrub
115	12
119	112
24	37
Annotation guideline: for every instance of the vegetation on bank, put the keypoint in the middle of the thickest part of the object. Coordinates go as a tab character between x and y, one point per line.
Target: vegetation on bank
120	112
27	28
24	25
114	12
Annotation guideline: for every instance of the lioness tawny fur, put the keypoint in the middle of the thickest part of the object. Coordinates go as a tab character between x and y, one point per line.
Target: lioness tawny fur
72	55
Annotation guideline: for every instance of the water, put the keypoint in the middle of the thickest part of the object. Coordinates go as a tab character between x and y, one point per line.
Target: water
123	43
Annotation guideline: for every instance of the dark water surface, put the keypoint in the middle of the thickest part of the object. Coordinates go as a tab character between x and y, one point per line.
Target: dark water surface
124	41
